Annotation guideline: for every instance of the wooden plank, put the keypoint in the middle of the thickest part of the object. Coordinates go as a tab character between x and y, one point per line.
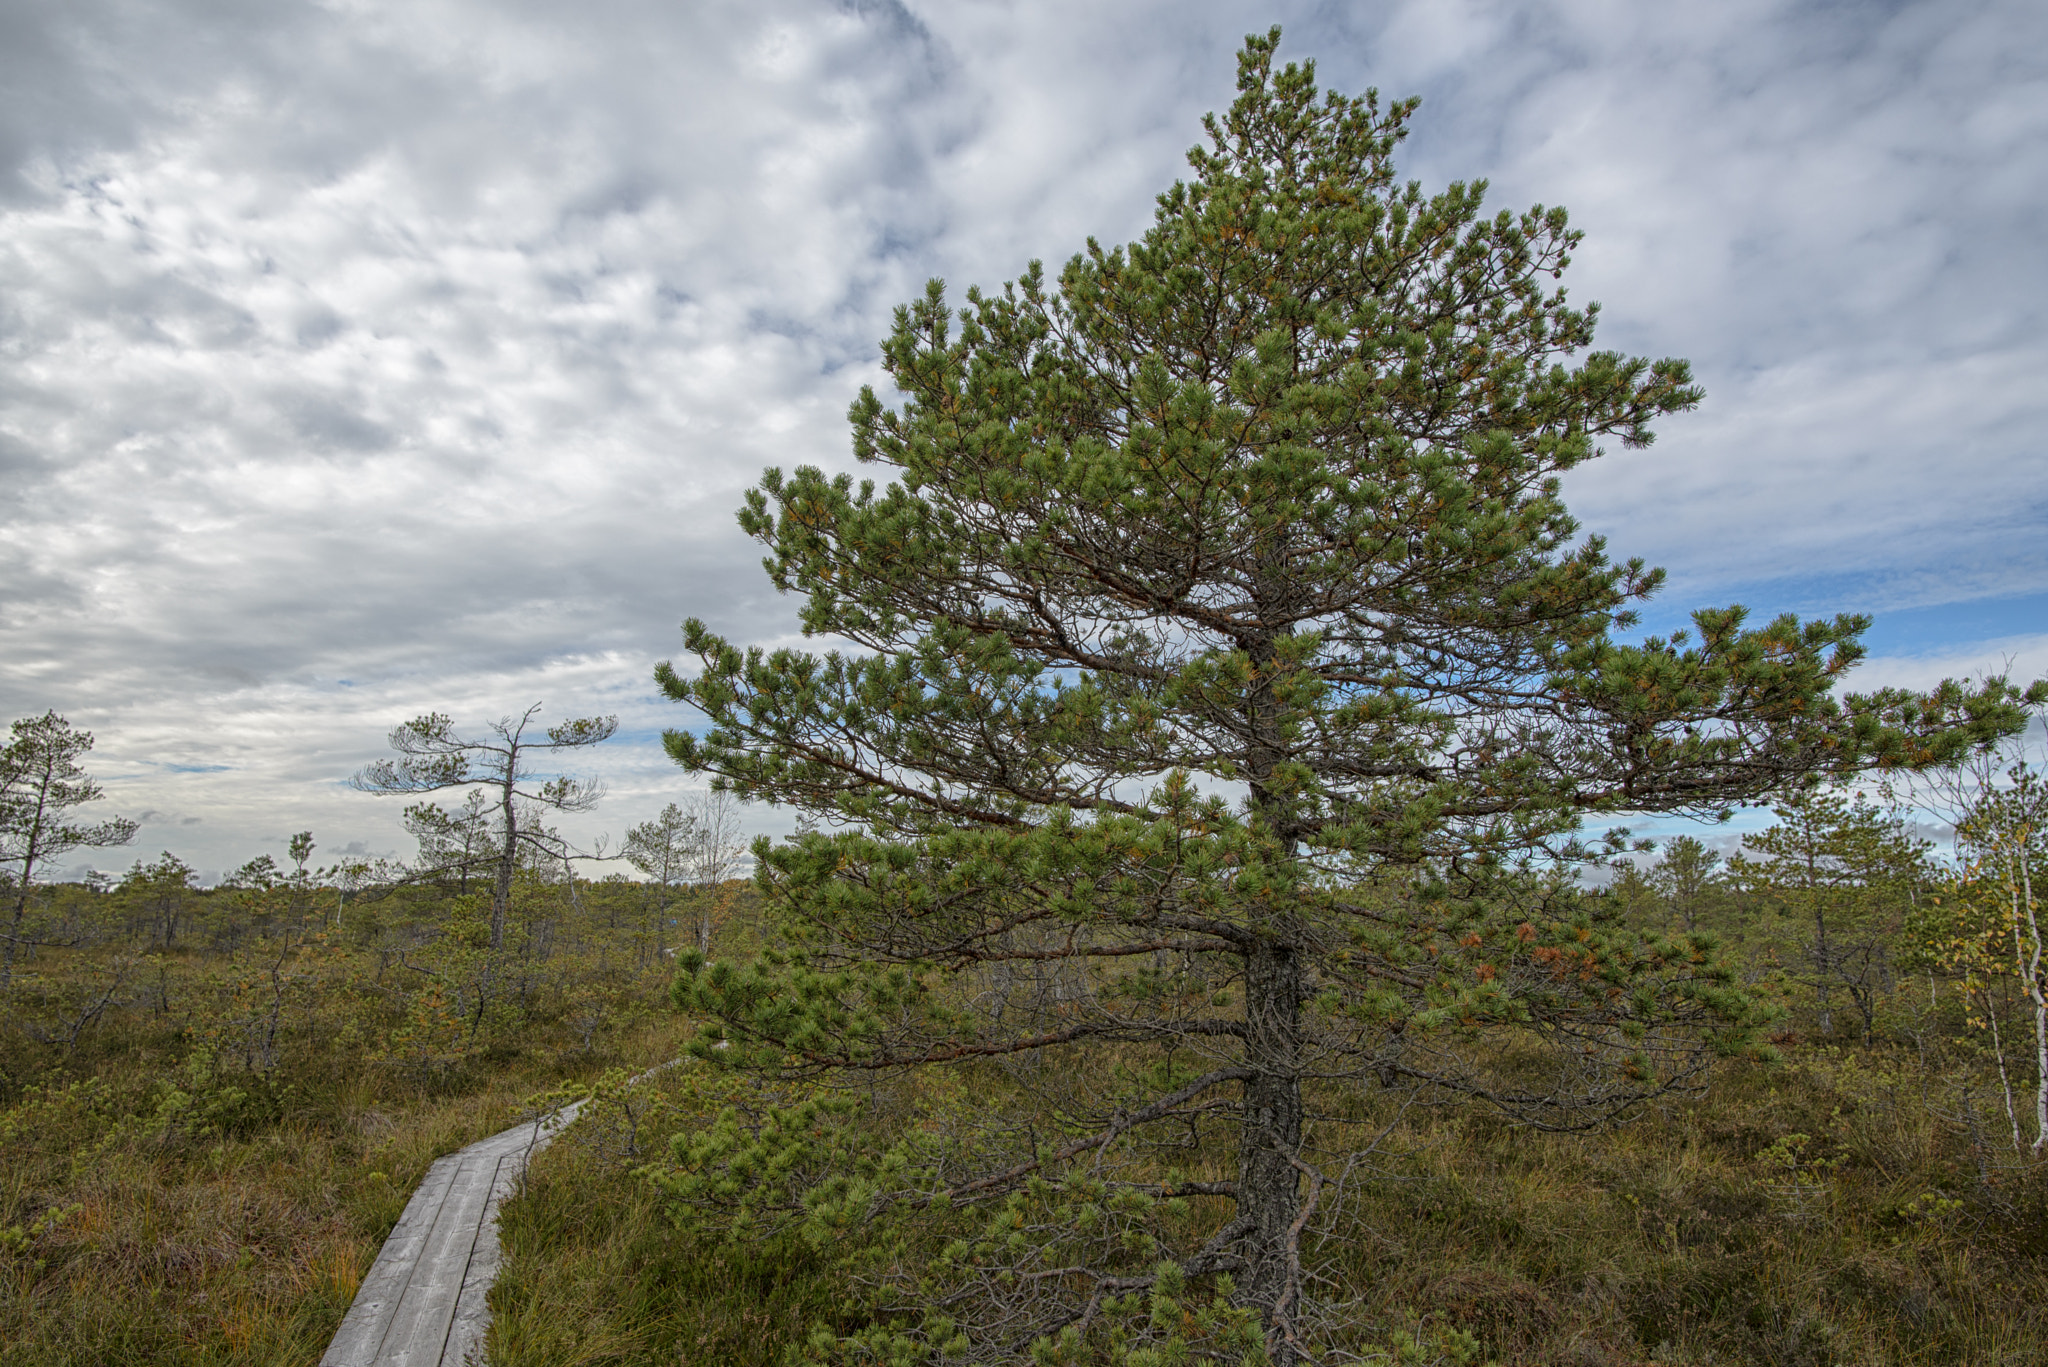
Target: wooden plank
362	1330
419	1324
472	1319
425	1301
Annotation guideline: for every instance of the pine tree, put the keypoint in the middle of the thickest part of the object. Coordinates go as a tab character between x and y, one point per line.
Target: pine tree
40	782
664	850
1686	879
434	757
1846	873
1229	688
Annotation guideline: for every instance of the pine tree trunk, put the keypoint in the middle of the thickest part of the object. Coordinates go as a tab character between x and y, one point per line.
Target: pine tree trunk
13	938
1824	963
508	859
20	919
31	850
1269	1183
1269	1178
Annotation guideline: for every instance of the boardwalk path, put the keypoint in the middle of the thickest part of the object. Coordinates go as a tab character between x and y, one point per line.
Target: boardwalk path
422	1304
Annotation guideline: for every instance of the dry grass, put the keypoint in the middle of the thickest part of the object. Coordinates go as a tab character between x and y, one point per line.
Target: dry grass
202	1171
241	1246
1681	1237
596	1273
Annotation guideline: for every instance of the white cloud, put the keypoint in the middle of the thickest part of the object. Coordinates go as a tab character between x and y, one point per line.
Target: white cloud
428	346
2019	658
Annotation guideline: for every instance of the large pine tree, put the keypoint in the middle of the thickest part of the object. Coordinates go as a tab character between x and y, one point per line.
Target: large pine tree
1227	674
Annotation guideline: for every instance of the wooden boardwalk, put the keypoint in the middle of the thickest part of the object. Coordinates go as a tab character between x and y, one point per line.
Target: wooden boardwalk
422	1304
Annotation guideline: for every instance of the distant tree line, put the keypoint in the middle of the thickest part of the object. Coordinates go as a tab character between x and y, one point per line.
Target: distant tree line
496	921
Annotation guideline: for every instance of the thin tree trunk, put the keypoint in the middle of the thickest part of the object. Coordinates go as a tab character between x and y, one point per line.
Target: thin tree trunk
30	851
1823	963
2023	889
2004	1081
14	935
501	899
508	858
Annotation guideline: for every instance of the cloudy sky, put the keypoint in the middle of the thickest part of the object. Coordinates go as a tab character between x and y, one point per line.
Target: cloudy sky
360	359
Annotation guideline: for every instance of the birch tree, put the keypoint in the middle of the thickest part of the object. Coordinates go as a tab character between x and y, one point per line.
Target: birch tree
1986	925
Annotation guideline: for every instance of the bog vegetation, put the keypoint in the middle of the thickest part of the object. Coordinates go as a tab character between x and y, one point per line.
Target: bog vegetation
1186	953
217	1101
214	1102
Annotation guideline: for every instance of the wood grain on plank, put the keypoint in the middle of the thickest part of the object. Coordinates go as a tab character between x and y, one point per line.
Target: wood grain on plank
423	1303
